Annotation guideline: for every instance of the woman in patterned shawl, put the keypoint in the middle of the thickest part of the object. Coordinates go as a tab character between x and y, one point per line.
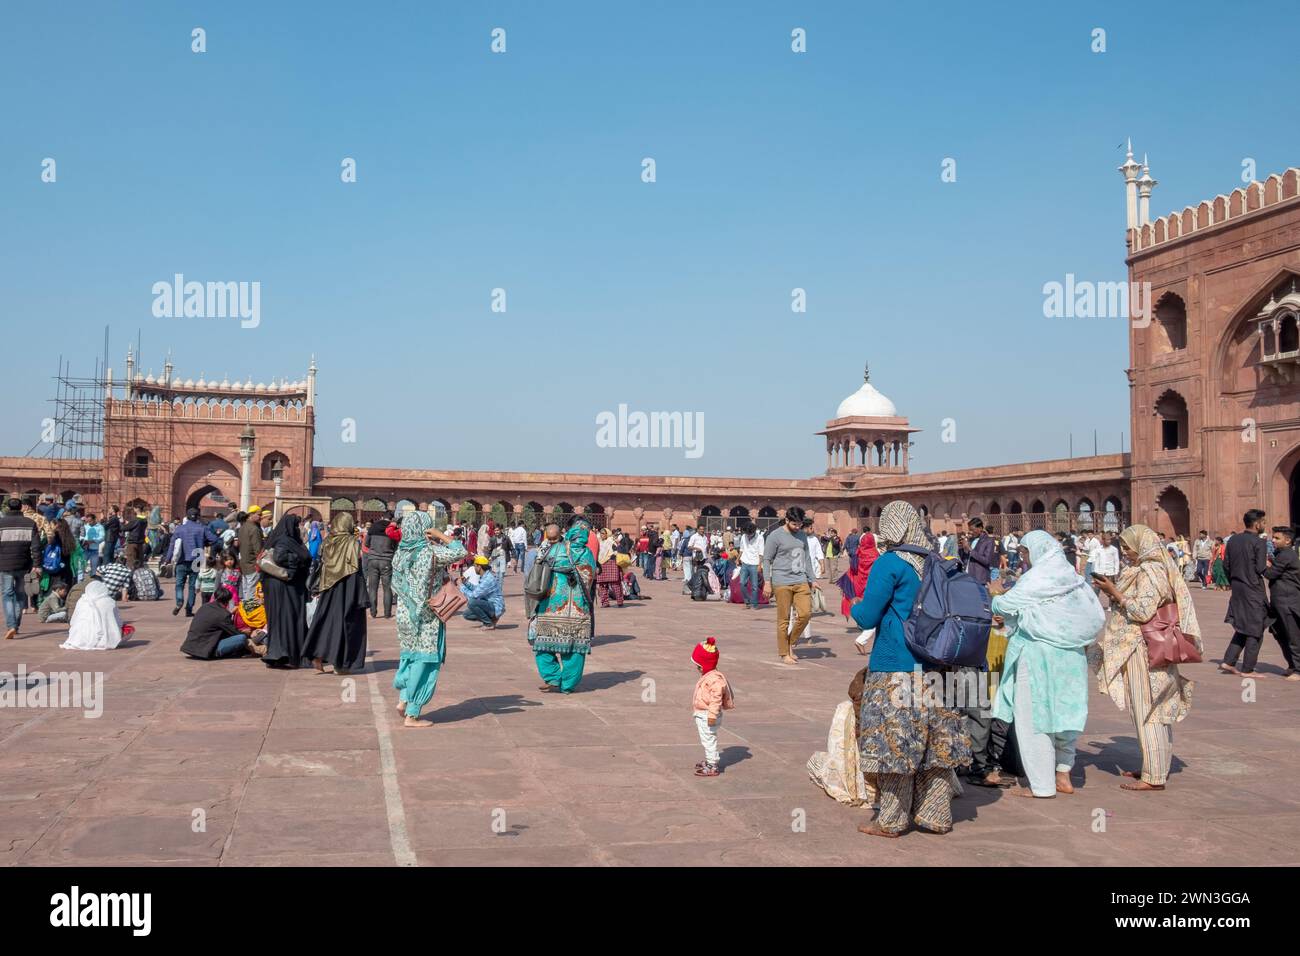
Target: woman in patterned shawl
1157	698
908	743
419	568
564	622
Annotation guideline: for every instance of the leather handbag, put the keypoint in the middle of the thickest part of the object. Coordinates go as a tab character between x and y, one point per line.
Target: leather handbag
266	563
448	602
1165	640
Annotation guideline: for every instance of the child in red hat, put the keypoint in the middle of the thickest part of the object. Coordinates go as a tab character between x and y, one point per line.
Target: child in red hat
712	696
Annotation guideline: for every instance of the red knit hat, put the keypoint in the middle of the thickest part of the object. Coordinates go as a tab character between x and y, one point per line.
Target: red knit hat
706	654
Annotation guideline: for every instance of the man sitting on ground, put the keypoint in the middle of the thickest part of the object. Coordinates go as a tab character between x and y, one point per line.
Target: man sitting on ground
213	633
53	609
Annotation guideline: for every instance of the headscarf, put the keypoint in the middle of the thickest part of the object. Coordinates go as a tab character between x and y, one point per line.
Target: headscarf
341	552
1050	602
1154	560
900	524
413	563
285	538
867	554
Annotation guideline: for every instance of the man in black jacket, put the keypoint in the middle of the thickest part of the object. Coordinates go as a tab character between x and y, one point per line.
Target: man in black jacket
134	531
379	565
213	633
20	551
1284	597
1245	559
112	532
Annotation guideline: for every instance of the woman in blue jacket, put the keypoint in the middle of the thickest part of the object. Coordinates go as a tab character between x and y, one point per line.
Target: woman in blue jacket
909	740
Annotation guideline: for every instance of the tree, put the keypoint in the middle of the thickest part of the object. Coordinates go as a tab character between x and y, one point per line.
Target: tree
467	514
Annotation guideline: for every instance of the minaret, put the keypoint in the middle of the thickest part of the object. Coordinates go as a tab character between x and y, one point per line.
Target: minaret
311	383
1130	170
167	373
130	372
1145	185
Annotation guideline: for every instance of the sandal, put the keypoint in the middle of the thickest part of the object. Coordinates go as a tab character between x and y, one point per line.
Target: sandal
993	781
1141	786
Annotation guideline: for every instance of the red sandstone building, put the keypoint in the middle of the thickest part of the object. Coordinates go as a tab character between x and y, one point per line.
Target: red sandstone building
1215	404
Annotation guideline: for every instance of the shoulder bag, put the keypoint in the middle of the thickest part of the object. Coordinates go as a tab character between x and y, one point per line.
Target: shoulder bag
266	564
447	602
1165	640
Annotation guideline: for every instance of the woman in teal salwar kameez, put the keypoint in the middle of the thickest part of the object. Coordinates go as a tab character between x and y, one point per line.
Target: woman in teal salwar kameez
1051	615
563	625
419	568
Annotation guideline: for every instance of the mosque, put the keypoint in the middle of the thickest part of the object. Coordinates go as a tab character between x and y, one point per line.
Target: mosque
1214	382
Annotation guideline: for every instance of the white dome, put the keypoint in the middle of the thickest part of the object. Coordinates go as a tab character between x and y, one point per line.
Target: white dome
866	402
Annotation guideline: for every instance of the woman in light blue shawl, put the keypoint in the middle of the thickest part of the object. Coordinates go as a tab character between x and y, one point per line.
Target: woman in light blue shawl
419	568
1051	615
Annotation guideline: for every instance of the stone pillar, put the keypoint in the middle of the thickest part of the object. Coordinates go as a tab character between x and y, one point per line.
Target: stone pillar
1145	184
245	480
1130	170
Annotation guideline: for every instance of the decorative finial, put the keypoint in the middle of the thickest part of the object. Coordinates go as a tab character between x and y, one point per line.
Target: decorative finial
866	372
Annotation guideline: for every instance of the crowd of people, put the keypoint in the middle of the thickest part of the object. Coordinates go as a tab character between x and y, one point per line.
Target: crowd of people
299	595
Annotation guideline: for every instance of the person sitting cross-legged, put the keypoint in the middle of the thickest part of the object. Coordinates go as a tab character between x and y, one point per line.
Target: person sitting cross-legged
54	609
486	602
213	633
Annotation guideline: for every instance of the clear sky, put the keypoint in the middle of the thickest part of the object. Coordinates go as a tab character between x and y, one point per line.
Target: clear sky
523	171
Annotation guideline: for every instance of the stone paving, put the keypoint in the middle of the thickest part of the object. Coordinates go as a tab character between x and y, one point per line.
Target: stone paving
230	763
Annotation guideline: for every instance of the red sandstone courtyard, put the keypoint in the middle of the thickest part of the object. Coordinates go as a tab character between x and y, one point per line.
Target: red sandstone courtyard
229	763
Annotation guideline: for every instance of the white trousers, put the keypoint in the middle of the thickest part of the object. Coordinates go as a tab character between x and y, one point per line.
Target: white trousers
708	735
1042	755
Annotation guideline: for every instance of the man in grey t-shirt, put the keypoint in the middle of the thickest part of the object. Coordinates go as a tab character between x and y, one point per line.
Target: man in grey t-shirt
787	572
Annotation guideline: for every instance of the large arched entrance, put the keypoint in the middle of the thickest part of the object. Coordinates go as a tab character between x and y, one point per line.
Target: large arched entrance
199	480
1173	515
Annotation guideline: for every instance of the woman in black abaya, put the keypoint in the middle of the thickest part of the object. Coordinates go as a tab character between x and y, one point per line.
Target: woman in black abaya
337	635
286	601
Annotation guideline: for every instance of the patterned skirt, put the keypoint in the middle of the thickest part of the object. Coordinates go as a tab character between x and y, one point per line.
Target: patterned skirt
609	573
910	738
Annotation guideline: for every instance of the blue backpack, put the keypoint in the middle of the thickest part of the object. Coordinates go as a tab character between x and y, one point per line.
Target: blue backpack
53	557
950	622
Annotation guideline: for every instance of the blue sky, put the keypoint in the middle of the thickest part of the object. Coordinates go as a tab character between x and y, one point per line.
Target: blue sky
522	171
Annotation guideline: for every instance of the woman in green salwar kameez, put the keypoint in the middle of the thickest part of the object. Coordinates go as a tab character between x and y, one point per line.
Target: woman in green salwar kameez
419	568
563	624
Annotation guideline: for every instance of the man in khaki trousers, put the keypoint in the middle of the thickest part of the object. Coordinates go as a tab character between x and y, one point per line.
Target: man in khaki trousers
787	572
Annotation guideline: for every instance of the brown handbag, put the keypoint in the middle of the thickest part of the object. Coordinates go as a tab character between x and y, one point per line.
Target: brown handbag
1166	642
448	602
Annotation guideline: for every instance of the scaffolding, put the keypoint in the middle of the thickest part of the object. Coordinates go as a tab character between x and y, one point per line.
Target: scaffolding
97	421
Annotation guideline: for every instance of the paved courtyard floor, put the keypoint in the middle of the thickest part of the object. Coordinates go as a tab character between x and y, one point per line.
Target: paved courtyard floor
230	763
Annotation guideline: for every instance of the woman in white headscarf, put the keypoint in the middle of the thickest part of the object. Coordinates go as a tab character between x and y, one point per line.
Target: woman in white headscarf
95	624
1051	616
1157	697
